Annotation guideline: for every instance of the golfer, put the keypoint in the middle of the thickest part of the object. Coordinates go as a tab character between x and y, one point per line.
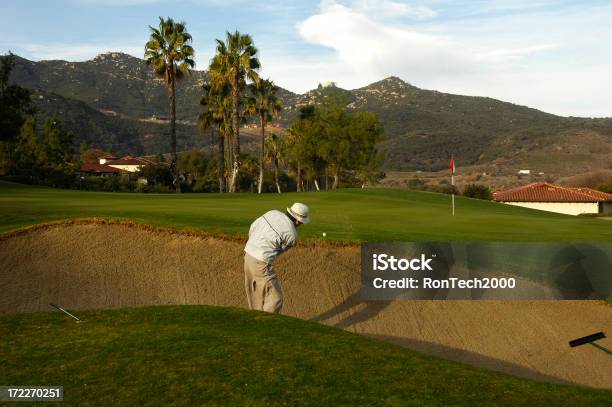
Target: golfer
270	235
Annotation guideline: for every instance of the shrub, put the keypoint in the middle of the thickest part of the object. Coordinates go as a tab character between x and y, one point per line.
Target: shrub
442	188
477	191
416	184
604	188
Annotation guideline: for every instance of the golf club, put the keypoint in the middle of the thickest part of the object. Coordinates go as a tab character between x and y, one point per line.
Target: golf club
590	339
65	312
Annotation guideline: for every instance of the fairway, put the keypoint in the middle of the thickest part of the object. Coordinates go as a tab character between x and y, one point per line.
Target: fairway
351	215
159	355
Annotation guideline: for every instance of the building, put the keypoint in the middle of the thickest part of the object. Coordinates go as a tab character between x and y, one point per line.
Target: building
127	163
100	170
555	198
101	156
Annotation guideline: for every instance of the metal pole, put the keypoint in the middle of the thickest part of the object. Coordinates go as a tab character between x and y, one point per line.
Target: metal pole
65	312
598	346
453	198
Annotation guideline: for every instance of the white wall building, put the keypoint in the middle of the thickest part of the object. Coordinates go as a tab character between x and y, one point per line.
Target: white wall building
554	198
127	163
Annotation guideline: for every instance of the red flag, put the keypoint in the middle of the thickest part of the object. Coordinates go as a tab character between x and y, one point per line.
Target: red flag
451	166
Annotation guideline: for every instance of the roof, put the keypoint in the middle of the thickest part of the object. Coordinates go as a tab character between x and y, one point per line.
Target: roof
545	192
102	154
96	168
129	160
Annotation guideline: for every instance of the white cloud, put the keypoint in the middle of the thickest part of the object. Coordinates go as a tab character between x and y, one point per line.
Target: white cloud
373	49
117	2
550	61
392	9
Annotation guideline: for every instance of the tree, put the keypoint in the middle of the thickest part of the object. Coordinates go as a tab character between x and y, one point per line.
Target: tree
249	173
29	152
199	170
216	102
57	143
15	105
235	61
365	132
266	106
274	154
170	54
301	143
607	188
156	174
89	156
83	147
337	142
477	191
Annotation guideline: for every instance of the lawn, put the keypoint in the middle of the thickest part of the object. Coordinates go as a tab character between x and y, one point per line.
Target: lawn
193	355
345	215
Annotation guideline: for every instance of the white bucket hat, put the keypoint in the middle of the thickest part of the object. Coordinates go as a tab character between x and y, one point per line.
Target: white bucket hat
300	212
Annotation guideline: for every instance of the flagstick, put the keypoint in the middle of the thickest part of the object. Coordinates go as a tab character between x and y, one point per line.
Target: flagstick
453	184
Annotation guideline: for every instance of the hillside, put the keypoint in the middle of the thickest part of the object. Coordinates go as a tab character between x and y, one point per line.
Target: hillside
112	82
422	126
112	132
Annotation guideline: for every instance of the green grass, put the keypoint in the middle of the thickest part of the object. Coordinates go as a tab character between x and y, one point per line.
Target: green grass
345	215
194	355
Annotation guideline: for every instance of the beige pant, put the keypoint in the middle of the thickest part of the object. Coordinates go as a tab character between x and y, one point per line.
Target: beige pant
263	289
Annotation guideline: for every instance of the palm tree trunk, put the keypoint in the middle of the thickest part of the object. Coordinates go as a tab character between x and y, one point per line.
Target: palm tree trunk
236	131
174	164
278	188
326	179
262	123
221	155
229	162
299	178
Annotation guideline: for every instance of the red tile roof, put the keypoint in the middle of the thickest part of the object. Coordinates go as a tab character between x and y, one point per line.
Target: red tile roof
102	154
545	192
95	168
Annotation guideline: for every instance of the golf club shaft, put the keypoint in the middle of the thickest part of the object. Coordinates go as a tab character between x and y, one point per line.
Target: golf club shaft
598	346
64	311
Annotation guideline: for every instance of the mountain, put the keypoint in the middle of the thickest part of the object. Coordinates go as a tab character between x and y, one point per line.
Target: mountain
111	132
116	100
111	82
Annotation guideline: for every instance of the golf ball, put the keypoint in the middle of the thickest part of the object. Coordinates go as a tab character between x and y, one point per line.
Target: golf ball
324	234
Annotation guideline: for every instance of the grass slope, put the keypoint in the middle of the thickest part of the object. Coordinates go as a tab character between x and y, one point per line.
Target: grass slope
193	355
345	215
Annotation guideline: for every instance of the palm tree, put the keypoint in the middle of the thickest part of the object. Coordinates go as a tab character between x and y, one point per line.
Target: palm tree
216	104
274	153
170	54
235	61
267	106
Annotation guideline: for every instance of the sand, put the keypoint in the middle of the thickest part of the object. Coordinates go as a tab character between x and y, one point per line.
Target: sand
83	266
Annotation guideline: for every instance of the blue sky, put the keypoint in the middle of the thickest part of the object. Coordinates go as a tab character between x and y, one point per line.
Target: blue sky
552	55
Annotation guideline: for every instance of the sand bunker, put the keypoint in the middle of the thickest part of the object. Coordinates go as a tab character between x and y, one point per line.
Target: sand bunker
99	266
